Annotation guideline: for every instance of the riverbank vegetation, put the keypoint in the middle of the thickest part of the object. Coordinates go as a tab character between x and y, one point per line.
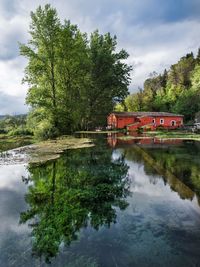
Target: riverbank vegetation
14	126
176	90
164	135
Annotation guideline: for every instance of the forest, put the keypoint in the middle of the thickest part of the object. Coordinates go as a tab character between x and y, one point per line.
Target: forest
176	90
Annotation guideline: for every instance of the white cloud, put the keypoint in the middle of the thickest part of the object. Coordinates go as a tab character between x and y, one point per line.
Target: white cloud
154	40
154	49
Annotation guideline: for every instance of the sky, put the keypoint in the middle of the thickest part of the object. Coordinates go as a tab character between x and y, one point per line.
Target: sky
155	33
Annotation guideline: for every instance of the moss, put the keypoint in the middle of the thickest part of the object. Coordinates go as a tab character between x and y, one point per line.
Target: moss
43	151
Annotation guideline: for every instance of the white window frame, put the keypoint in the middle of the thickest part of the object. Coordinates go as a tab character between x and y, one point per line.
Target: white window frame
174	123
162	121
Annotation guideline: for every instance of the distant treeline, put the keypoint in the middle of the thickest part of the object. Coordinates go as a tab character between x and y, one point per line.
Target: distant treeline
74	79
176	90
14	125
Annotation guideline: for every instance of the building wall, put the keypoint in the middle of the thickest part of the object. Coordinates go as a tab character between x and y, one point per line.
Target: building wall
112	121
152	123
168	121
122	122
119	122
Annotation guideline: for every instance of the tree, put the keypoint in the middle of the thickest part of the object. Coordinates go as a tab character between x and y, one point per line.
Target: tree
110	77
73	77
73	82
40	72
134	102
176	90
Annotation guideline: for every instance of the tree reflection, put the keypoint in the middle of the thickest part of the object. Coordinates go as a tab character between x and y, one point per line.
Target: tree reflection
82	188
183	162
179	166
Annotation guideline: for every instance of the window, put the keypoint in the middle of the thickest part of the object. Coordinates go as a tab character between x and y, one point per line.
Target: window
173	123
161	121
153	120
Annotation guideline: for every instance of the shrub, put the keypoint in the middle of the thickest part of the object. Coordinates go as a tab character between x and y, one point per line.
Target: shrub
3	131
45	130
20	131
160	128
140	130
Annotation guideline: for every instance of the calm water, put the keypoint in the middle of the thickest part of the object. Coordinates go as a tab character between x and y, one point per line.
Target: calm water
129	205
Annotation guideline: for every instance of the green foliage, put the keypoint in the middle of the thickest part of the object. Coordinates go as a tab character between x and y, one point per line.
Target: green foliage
20	131
15	125
176	90
73	82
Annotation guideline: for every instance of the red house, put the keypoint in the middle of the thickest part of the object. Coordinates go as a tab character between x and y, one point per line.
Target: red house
146	120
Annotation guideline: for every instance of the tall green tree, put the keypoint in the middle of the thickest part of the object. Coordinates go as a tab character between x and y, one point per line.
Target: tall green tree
73	77
73	82
110	77
40	73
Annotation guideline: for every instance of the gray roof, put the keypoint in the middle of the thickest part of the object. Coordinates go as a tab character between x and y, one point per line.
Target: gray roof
144	114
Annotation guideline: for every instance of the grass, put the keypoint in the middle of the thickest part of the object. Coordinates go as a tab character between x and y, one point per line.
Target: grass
174	134
98	132
164	135
9	138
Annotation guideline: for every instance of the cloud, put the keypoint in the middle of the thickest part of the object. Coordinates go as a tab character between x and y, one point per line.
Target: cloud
12	104
156	33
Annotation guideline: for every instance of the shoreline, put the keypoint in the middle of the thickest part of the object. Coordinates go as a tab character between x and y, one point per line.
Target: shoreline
44	151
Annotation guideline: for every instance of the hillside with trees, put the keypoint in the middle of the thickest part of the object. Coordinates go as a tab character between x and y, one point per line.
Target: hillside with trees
74	80
176	90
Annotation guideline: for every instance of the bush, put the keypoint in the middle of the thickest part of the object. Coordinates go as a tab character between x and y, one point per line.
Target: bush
20	131
45	130
140	130
3	131
160	128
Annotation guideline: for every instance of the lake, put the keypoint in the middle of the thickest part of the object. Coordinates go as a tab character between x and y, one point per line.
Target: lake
118	204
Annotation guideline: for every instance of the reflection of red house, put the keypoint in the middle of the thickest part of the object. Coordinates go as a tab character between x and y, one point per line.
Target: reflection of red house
147	120
114	141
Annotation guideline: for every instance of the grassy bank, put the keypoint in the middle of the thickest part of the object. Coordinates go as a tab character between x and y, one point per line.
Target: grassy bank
98	132
163	135
174	134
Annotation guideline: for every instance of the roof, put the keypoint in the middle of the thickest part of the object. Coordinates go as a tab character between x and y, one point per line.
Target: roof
145	114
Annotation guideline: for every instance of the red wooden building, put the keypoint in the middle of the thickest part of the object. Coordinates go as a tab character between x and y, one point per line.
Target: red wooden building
146	120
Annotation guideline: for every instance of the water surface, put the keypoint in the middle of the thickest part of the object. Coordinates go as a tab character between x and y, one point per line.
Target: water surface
131	205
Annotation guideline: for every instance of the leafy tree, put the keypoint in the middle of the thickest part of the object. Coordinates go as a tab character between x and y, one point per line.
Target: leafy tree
73	77
41	53
134	102
73	82
176	90
110	77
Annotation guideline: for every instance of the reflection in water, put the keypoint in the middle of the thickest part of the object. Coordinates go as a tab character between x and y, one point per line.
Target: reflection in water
77	190
155	167
13	143
68	199
175	160
115	140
